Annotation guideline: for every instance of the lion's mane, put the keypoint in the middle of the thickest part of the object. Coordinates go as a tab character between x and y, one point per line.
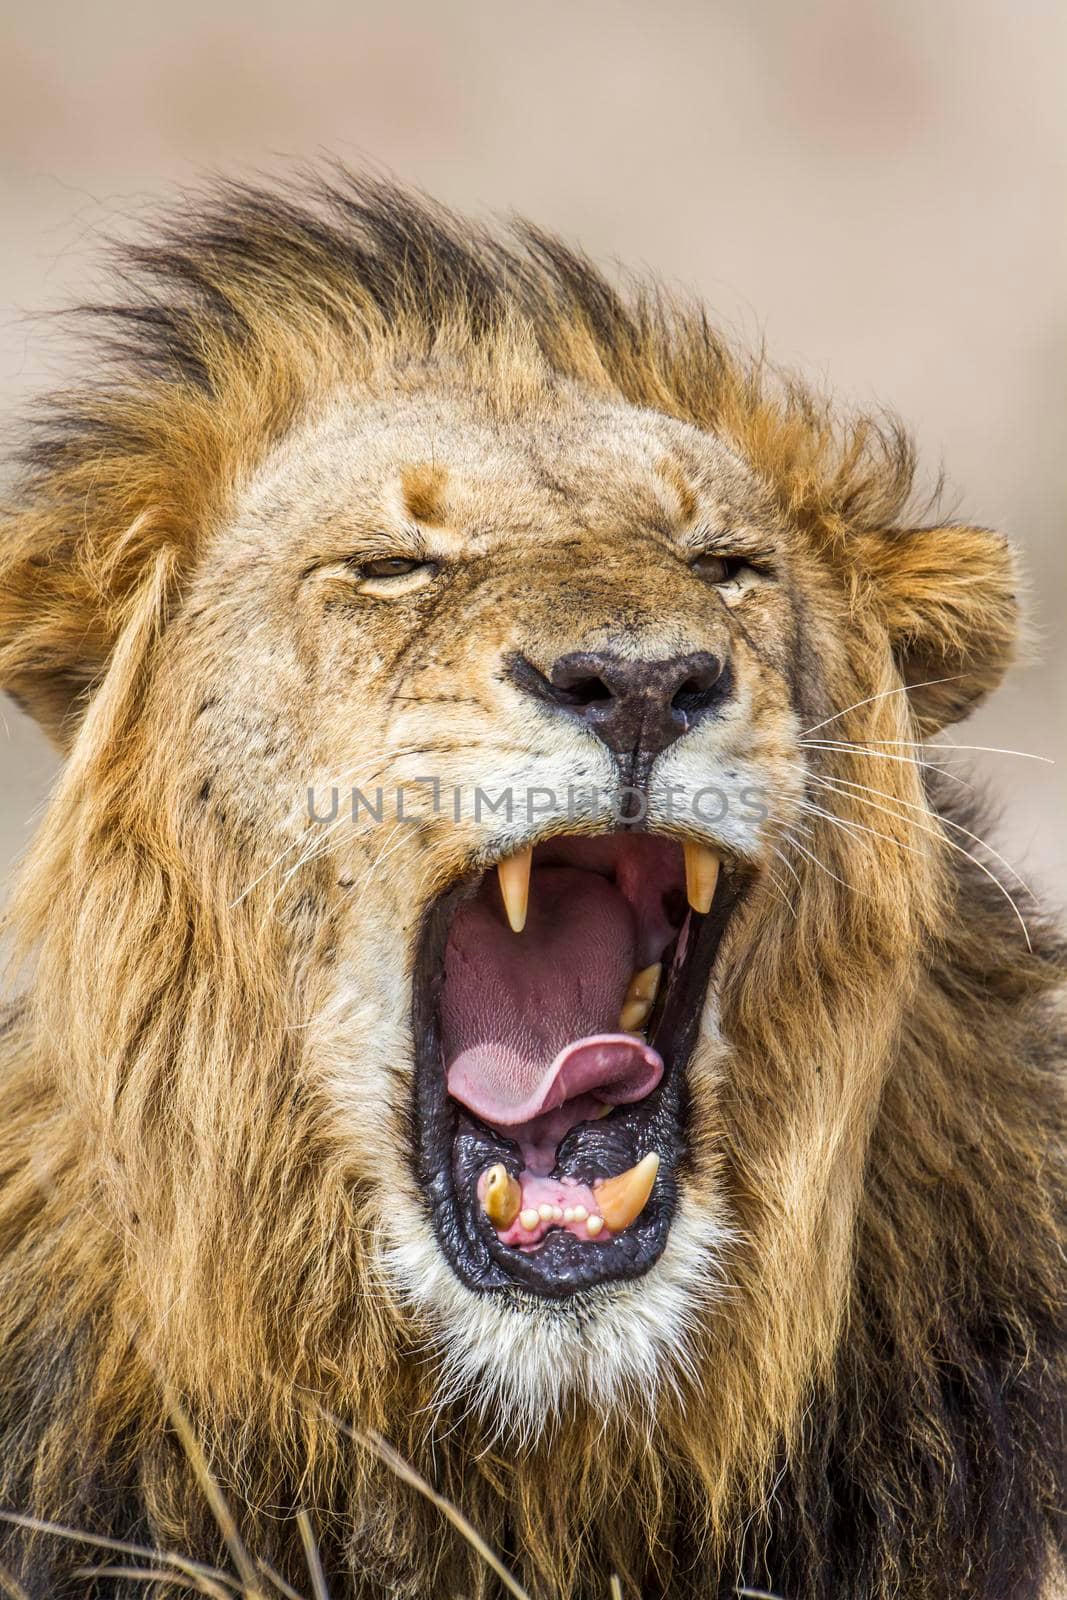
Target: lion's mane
175	1225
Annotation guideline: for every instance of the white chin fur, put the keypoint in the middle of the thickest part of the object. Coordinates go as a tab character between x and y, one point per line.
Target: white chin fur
518	1365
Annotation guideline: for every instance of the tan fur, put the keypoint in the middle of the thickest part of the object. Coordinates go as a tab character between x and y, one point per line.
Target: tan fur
424	489
205	1097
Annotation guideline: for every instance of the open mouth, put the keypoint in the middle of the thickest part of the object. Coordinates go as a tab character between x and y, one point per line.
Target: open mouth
557	998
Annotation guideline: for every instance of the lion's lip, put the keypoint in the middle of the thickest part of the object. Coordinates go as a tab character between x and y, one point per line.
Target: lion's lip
551	1095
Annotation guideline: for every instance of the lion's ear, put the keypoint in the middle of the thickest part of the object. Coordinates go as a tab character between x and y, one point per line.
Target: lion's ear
52	650
64	603
948	596
51	701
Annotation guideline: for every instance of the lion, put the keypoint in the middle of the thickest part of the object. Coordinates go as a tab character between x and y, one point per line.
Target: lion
503	968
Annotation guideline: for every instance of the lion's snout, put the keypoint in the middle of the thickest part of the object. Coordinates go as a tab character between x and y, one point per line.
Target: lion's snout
636	707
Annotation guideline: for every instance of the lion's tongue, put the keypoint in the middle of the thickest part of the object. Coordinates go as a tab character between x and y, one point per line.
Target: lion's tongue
530	1019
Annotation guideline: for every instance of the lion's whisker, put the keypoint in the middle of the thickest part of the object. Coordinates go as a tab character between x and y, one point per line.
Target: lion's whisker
938	744
947	822
845	822
788	865
788	838
388	848
775	885
315	846
354	777
816	861
849	746
884	694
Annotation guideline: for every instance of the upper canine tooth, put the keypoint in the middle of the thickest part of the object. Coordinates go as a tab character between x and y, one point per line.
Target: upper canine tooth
502	1196
644	985
514	875
701	875
623	1199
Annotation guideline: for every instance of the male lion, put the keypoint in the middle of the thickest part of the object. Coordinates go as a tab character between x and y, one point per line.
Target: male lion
502	968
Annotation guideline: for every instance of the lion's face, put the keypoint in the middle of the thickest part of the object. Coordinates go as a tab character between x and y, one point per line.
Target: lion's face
526	695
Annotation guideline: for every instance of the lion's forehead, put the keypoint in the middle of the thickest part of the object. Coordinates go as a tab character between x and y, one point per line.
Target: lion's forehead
488	474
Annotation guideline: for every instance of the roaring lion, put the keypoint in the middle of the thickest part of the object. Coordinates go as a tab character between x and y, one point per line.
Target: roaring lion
502	968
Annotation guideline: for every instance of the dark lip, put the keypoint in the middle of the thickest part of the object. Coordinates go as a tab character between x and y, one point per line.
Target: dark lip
451	1147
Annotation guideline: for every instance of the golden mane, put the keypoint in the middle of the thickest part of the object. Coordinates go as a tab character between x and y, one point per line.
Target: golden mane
150	1074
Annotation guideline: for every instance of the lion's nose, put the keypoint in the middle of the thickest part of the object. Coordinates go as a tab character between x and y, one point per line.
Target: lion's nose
637	708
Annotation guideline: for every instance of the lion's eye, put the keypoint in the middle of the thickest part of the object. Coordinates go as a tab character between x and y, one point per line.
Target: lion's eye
391	577
733	576
716	569
390	567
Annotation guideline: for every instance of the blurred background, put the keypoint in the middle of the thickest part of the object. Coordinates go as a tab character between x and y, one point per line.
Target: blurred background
876	189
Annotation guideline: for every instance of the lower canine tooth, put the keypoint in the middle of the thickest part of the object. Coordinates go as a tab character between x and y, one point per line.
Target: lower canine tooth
502	1197
633	1014
514	876
622	1199
701	875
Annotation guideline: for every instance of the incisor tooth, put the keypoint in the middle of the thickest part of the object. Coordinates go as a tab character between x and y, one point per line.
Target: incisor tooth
633	1014
644	985
623	1199
502	1197
594	1225
701	875
529	1220
514	875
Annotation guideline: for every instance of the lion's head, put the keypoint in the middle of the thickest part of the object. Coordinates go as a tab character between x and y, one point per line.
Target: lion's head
483	935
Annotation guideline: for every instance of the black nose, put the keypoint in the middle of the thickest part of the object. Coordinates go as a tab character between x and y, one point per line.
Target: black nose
638	708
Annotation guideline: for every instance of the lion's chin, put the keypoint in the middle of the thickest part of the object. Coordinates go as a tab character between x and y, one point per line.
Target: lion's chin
522	1362
556	1002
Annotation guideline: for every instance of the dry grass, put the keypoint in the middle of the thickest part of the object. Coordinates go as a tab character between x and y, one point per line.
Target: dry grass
251	1578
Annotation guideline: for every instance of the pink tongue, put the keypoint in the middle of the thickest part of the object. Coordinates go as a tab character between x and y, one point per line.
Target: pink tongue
530	1020
612	1067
